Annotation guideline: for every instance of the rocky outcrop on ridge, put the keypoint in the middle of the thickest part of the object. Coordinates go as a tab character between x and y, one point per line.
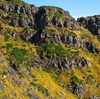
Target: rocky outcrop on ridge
34	17
92	23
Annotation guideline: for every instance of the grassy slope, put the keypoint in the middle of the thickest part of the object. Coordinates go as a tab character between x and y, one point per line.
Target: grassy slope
42	77
46	79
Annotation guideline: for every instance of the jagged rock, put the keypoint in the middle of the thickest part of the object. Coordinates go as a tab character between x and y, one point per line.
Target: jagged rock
40	36
4	7
15	66
2	85
11	71
23	22
40	19
44	21
78	89
92	23
17	8
13	34
11	9
16	82
32	96
14	22
2	60
94	97
26	36
65	64
65	24
98	85
57	22
91	47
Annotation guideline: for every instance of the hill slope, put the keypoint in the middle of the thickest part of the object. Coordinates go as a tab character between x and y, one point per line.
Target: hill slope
45	53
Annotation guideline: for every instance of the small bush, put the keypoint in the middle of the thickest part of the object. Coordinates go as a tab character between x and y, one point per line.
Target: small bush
87	36
89	71
75	79
28	64
17	1
53	30
52	49
4	72
9	46
49	14
6	39
49	30
40	51
61	52
40	88
57	49
76	52
58	15
19	54
32	83
21	74
33	76
16	14
72	33
1	11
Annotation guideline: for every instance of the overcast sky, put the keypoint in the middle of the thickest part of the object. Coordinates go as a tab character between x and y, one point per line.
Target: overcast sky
76	8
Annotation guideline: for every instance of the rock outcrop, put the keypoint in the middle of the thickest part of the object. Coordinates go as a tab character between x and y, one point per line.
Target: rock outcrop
78	89
33	17
92	23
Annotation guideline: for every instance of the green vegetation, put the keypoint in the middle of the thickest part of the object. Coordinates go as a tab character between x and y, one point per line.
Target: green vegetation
18	54
24	73
15	15
4	72
40	88
52	49
89	71
72	33
20	74
32	83
1	11
58	15
52	7
75	79
9	46
33	76
26	30
49	7
40	51
49	14
17	1
49	30
6	36
28	64
76	52
85	35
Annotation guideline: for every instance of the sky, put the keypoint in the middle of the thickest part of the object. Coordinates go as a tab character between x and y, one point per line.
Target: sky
76	8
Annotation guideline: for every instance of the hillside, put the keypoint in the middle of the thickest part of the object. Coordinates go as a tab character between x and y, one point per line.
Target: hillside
46	54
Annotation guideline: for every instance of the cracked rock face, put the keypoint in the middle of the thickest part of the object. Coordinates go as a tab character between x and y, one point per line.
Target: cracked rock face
39	19
78	89
92	23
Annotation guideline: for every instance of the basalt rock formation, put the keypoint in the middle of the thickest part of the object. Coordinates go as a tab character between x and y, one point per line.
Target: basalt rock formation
92	23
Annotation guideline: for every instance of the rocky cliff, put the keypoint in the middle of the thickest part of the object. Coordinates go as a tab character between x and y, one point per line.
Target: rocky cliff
43	49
